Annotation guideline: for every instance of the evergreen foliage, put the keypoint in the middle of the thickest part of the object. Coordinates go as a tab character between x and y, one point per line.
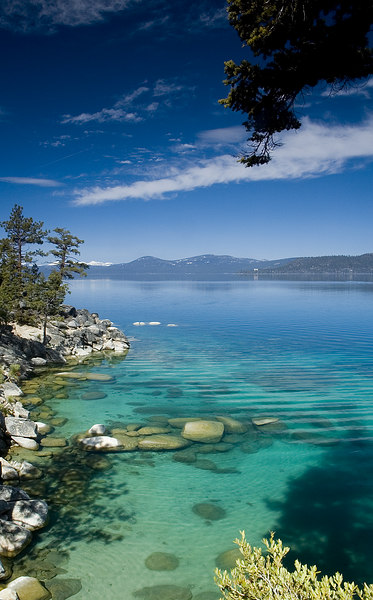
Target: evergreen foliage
295	44
66	247
261	576
26	295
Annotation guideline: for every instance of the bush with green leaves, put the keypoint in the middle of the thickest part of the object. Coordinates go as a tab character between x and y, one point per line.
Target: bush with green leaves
14	372
262	576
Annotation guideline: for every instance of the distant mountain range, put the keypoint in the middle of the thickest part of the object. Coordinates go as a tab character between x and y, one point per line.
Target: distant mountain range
208	266
327	264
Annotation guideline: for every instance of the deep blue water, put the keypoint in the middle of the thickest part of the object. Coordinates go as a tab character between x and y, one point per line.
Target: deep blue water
298	351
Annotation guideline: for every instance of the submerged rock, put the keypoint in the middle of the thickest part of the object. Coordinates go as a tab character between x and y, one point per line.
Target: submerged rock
206	465
179	422
98	377
314	438
227	560
162	442
94	395
58	421
185	456
210	512
206	596
258	421
29	588
162	561
232	425
71	375
61	589
203	431
43	428
163	592
127	443
98	463
54	442
153	430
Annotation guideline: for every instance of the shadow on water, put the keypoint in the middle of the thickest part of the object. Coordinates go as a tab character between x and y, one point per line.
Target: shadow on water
327	517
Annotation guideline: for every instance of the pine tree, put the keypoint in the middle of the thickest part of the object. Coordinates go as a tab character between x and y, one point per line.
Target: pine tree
66	247
293	45
18	255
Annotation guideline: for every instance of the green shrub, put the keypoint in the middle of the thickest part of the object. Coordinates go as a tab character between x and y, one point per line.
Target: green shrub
14	372
259	576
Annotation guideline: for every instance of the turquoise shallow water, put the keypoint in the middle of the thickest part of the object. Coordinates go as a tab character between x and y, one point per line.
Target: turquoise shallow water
299	351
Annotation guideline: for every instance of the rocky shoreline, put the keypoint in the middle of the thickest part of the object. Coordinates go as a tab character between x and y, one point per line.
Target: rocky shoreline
75	335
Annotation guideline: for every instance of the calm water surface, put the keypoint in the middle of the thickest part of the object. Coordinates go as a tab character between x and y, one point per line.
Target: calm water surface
299	351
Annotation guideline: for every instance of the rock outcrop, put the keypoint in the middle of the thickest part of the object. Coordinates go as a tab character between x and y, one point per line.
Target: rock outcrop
76	332
19	515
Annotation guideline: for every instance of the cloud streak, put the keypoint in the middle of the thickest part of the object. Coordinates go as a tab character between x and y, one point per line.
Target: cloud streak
102	116
44	15
313	151
130	107
31	181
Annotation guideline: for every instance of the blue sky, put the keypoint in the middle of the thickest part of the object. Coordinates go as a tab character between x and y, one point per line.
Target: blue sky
110	126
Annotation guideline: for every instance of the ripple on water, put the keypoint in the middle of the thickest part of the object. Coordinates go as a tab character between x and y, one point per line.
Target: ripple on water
278	352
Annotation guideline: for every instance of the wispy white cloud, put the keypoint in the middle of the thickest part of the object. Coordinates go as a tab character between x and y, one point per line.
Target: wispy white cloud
214	19
58	141
130	107
152	107
102	116
127	99
120	111
31	181
154	23
315	150
165	88
223	136
44	15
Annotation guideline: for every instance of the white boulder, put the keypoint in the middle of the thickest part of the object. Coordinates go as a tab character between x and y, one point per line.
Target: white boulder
31	514
20	427
100	442
25	442
97	429
13	538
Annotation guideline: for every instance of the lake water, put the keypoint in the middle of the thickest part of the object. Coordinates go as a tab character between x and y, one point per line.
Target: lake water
298	351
